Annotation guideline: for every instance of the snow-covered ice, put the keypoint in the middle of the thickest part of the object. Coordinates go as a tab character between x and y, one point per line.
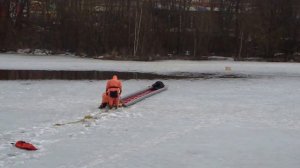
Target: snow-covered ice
21	62
234	123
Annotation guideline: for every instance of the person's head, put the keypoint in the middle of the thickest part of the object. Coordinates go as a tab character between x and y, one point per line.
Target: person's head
115	77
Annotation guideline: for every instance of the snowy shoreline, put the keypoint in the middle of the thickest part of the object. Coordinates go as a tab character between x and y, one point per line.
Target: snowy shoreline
72	63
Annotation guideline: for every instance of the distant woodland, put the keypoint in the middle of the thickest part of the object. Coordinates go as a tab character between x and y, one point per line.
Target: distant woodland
154	29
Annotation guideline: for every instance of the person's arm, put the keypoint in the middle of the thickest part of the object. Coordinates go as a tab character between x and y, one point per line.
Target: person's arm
120	87
107	85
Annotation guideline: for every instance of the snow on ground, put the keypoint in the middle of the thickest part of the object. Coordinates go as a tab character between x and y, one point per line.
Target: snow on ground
195	123
21	62
234	123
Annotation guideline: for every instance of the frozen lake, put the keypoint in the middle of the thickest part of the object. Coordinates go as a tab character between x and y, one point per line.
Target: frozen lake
234	123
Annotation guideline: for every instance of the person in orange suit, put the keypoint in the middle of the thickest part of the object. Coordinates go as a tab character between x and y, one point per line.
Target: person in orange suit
113	92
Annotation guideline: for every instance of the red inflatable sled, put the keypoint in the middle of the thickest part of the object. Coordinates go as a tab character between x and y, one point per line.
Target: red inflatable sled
140	95
25	145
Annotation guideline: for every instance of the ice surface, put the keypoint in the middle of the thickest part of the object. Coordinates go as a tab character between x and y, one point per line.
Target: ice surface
197	123
233	123
21	62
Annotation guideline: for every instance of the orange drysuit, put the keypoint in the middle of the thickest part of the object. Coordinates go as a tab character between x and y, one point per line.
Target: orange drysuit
114	90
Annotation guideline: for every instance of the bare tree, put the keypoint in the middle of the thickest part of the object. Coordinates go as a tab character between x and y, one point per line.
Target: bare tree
144	29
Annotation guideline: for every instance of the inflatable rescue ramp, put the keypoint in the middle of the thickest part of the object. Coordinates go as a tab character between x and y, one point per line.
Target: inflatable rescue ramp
140	95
